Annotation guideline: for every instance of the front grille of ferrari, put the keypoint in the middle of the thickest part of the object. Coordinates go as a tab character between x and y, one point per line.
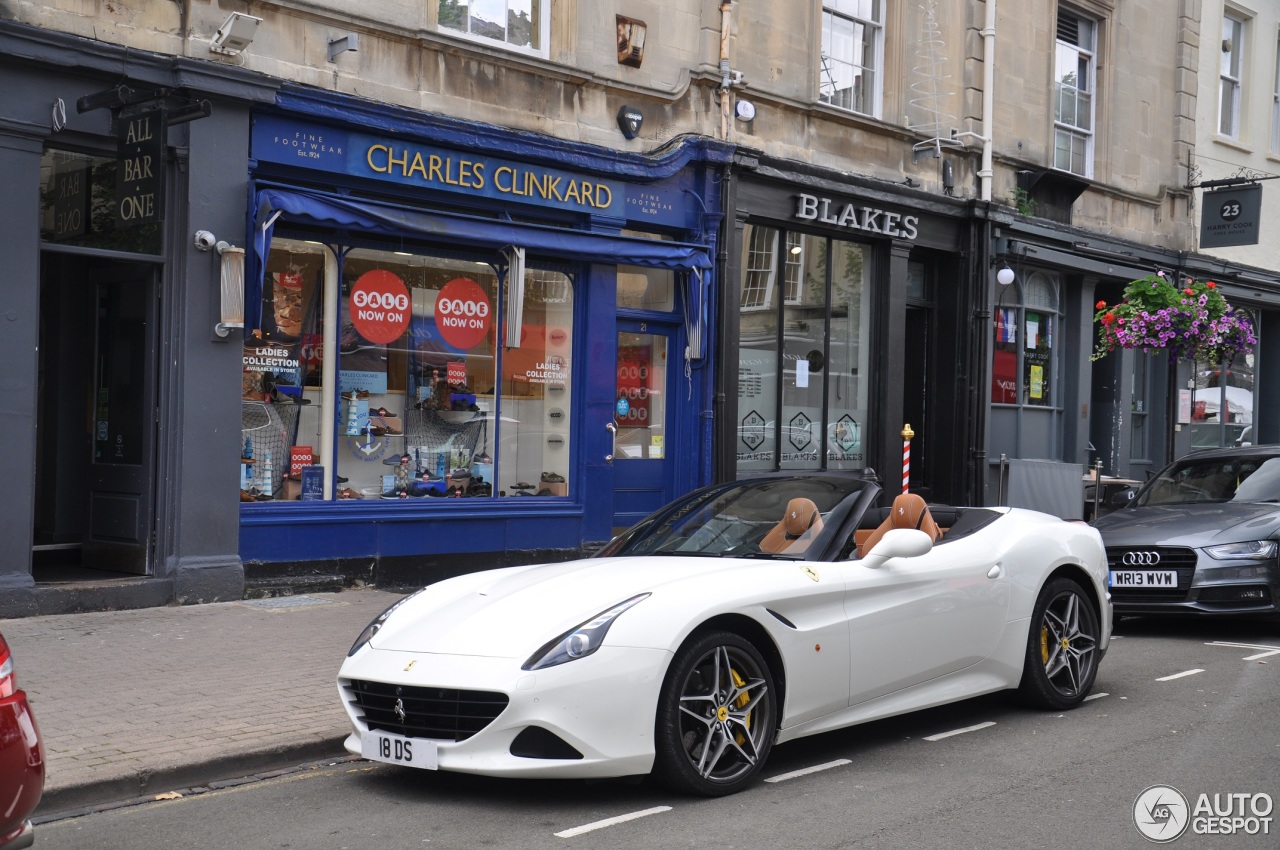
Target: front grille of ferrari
1171	558
445	714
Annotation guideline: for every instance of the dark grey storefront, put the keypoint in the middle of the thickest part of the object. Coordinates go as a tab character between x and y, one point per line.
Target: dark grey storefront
848	315
115	402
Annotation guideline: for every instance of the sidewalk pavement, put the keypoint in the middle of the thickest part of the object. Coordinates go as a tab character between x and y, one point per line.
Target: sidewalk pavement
139	702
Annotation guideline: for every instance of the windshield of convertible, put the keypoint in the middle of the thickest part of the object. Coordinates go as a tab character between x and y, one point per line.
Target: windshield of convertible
1231	479
759	518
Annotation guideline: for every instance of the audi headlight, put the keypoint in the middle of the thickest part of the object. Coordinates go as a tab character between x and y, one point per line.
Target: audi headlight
372	629
581	640
1252	550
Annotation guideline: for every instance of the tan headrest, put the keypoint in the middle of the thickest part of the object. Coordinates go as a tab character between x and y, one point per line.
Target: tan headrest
801	514
910	511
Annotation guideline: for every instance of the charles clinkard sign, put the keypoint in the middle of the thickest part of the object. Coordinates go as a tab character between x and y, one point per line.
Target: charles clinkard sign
855	216
463	172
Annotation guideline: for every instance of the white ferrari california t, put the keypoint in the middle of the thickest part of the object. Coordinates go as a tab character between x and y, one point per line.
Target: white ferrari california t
741	616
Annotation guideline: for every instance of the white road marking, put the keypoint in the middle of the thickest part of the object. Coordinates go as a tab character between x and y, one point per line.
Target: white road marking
805	771
601	824
975	728
1096	696
1267	652
1180	675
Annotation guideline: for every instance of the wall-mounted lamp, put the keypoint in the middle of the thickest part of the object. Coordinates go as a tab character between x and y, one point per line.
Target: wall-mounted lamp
338	46
1004	277
232	289
630	120
235	34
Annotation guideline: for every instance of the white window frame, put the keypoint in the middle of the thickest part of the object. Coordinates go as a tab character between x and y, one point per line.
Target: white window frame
1231	75
1081	97
542	12
1275	103
861	15
793	268
761	272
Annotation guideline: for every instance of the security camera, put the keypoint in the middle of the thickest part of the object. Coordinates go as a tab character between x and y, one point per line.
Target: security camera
205	240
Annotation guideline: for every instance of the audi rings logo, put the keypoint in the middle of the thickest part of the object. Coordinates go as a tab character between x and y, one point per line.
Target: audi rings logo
1140	559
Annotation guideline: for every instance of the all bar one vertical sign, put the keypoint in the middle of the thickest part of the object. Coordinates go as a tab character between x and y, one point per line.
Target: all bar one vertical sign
140	168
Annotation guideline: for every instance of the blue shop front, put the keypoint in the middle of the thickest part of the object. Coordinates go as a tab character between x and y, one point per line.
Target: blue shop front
465	346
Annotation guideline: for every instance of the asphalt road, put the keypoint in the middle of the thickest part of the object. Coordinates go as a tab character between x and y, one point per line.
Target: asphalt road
1005	777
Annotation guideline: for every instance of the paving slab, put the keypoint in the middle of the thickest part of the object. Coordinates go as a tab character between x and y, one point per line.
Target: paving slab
131	703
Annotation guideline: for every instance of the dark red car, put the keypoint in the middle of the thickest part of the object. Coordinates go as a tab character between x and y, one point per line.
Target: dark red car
21	760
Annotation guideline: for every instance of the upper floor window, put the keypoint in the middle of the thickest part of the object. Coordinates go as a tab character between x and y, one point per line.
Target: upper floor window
1275	106
523	25
1073	106
1229	77
852	55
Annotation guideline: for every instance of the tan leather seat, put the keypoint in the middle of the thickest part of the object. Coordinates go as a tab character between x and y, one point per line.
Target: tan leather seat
908	511
793	534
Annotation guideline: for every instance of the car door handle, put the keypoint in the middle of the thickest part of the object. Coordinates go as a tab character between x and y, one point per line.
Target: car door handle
995	572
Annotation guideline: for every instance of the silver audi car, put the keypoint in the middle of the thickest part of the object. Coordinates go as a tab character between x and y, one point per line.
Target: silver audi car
1200	537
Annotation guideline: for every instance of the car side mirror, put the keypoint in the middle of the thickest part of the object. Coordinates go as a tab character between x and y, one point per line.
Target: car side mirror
1122	499
897	543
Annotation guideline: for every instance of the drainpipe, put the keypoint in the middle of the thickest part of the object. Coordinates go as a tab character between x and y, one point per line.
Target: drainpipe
726	73
979	376
988	97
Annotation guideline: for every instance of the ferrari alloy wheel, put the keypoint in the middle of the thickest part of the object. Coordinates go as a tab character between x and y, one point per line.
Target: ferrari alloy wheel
716	716
1062	648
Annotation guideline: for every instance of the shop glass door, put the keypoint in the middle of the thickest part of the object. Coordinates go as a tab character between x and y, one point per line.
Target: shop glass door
642	474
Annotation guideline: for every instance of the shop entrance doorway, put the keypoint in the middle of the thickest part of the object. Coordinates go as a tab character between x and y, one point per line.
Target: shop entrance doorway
643	478
96	431
916	392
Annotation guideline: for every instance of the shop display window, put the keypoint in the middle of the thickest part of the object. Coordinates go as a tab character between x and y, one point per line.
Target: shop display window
427	397
1224	399
803	355
1024	360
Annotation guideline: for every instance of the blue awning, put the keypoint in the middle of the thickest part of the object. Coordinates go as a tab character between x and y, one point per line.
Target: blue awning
303	206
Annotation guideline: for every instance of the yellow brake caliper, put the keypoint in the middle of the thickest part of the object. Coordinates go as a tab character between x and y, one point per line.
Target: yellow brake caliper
1044	645
741	702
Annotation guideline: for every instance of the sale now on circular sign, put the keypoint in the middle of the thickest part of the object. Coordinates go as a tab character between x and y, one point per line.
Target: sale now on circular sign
380	306
462	313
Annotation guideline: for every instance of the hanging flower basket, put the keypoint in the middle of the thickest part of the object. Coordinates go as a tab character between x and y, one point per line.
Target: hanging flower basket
1191	321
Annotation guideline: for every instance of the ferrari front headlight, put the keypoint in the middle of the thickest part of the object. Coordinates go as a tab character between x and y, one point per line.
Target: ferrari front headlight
1252	550
372	629
581	640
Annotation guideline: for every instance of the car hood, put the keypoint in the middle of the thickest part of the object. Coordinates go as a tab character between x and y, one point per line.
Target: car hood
1194	524
510	613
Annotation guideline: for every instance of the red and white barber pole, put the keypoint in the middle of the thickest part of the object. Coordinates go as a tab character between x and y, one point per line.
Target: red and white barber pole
907	434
